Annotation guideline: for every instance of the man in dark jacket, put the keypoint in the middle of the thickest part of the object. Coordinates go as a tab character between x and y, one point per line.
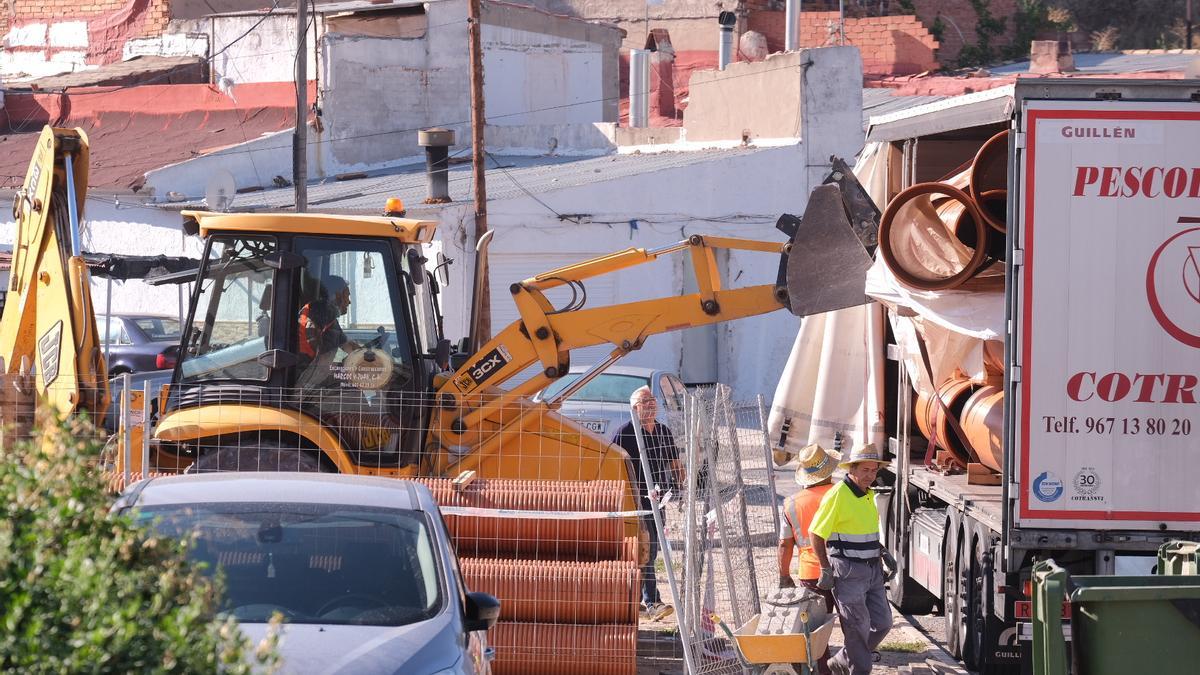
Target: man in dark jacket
663	457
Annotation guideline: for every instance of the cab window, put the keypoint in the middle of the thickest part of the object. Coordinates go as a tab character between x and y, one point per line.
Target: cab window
346	324
231	323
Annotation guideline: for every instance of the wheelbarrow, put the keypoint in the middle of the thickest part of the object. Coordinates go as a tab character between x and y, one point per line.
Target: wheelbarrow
787	637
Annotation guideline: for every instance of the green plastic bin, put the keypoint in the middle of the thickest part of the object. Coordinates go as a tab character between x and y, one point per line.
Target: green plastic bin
1179	557
1119	625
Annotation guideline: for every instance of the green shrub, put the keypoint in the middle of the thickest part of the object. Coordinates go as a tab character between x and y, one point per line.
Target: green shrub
83	591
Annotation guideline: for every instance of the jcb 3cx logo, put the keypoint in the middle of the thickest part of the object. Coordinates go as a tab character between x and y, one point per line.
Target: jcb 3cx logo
483	369
1173	284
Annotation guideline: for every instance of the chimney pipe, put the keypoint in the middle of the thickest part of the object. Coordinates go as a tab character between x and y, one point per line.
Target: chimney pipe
437	162
639	88
791	37
726	20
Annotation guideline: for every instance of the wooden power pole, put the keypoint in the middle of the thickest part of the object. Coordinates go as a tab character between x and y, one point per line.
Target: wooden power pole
481	331
300	134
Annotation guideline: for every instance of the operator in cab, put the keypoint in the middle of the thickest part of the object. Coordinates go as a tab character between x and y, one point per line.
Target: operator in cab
318	329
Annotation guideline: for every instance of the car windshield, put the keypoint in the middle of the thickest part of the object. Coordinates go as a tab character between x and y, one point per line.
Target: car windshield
604	388
158	328
313	563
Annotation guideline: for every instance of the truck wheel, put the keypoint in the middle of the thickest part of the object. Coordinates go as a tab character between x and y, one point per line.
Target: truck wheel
974	622
904	592
256	458
950	591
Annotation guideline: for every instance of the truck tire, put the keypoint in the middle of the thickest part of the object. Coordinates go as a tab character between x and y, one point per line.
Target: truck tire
261	457
971	609
983	628
950	604
904	592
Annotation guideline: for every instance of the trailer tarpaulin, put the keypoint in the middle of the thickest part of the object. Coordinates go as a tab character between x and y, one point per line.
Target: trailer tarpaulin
833	380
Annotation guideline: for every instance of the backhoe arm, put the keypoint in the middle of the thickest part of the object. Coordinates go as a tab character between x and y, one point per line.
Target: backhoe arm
49	323
547	335
822	267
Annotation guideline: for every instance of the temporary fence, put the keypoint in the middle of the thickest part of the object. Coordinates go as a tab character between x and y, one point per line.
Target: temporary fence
539	510
724	527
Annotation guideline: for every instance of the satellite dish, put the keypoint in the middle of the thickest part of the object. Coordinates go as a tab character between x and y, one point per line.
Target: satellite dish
219	192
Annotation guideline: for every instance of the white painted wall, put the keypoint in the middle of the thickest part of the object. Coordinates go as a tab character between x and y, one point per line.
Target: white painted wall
265	54
62	48
132	230
375	93
532	78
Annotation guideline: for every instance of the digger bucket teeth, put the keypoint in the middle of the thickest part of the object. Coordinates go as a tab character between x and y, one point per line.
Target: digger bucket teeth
825	265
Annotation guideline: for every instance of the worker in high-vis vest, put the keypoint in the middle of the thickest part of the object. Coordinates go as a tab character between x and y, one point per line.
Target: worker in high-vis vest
854	563
814	475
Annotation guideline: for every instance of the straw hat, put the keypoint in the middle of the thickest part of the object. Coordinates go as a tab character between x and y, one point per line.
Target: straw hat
864	453
816	465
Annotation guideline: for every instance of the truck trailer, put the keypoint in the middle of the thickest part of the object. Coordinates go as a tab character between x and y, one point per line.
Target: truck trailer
1073	432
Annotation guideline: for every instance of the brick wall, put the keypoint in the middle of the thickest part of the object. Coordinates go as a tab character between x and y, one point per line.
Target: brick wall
107	23
890	45
960	19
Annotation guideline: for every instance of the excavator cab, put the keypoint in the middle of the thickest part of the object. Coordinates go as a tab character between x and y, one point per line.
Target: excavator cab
330	322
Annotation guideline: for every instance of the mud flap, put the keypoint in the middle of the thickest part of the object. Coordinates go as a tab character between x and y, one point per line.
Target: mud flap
826	266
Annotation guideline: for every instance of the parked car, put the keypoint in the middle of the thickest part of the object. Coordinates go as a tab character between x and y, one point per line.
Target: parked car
602	405
360	567
138	342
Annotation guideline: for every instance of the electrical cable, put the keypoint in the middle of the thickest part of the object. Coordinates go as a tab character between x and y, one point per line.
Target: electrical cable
376	134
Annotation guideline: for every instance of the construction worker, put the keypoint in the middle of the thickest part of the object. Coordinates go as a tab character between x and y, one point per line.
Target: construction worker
318	330
666	470
814	475
854	564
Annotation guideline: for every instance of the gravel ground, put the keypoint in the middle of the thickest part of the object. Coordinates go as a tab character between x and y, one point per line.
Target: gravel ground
913	640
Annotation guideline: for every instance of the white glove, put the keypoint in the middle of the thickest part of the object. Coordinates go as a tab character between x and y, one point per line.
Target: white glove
825	581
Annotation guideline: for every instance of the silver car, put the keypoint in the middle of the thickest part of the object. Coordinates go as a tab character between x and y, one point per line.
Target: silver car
361	568
602	405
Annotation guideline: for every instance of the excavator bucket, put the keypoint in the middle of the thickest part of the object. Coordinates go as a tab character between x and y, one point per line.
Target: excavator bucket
825	267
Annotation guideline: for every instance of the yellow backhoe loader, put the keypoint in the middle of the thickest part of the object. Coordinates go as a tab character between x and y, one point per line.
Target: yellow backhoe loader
314	342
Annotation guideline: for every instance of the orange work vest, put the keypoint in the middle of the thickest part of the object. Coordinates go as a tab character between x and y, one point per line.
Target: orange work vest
799	510
309	332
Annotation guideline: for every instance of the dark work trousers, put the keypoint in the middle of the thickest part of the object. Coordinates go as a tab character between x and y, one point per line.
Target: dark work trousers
863	609
649	581
823	659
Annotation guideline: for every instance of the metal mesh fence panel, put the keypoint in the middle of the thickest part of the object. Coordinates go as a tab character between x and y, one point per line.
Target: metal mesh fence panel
540	510
724	524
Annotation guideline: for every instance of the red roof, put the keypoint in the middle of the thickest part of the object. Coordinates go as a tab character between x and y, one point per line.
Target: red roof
133	130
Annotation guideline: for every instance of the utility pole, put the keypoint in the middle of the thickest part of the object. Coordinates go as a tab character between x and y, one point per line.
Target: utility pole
300	134
482	330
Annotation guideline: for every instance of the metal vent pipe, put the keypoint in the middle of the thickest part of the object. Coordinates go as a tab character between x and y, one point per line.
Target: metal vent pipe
791	37
437	162
726	20
639	87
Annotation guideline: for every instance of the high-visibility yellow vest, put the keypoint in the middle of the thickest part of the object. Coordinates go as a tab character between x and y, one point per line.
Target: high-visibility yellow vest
848	522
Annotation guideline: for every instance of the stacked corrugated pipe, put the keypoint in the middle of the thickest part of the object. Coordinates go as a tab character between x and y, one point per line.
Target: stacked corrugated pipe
938	235
977	404
568	588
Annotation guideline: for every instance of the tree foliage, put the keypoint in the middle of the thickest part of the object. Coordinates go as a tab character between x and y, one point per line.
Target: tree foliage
1142	24
83	591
